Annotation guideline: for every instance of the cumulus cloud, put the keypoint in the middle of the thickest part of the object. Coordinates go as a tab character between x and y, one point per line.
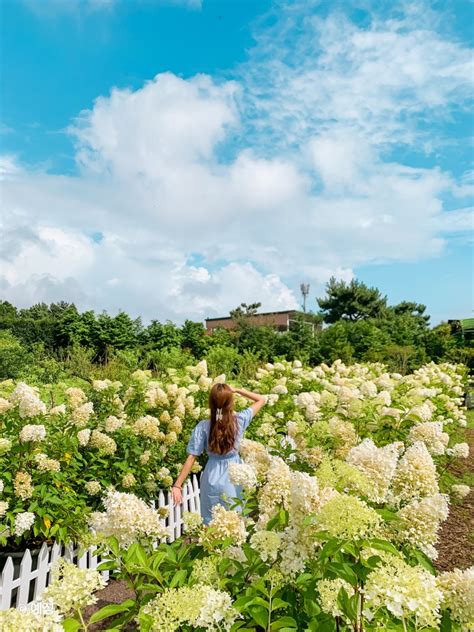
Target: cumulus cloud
207	193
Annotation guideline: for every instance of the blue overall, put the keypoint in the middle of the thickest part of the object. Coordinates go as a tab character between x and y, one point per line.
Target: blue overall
215	484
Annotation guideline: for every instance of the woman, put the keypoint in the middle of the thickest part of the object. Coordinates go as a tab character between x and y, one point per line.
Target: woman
220	437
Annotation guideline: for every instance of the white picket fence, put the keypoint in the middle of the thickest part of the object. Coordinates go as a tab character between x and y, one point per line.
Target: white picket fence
24	584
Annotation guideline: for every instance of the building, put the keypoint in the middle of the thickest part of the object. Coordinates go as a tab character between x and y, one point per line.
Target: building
279	320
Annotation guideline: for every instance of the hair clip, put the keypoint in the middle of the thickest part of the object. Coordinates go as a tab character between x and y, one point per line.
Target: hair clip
219	414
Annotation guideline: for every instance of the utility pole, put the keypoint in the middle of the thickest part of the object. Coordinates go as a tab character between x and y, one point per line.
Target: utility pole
304	287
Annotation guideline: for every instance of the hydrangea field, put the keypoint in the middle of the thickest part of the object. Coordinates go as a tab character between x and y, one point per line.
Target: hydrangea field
344	499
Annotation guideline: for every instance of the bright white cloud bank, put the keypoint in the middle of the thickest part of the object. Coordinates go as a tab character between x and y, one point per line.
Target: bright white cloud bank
171	217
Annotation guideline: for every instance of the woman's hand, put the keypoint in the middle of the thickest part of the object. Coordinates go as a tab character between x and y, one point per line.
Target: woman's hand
177	494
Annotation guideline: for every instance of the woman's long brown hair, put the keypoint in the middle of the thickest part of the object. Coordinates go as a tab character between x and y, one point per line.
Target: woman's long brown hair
223	431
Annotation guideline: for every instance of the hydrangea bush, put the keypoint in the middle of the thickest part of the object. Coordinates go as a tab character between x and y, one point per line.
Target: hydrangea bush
342	509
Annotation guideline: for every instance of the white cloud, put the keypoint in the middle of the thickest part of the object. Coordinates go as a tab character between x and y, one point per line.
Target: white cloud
306	192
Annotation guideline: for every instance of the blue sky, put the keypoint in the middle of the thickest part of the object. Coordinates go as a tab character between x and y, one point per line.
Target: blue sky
176	158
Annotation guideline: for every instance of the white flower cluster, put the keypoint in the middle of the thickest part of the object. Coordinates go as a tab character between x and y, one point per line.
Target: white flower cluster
242	474
378	464
457	588
200	606
420	521
432	435
225	524
267	544
72	588
112	423
460	491
5	445
102	442
408	592
28	401
23	522
458	451
22	485
83	436
415	476
4	405
16	620
128	518
275	491
45	464
148	427
32	432
81	415
93	488
76	396
328	593
255	455
58	410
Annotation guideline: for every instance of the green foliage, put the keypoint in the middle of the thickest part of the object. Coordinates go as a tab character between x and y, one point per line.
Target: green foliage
14	358
223	360
350	301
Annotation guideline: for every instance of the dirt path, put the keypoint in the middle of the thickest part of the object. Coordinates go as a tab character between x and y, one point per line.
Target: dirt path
456	545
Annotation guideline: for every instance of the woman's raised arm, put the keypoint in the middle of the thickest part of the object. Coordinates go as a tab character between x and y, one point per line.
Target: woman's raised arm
259	400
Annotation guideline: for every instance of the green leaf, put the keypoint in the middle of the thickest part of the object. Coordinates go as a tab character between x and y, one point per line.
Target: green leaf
331	547
179	578
446	623
70	625
278	603
242	602
111	609
383	545
284	622
259	615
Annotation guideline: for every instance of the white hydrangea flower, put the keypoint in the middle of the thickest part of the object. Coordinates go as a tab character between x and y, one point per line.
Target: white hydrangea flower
93	488
432	435
81	415
29	403
4	405
225	524
45	464
378	464
458	451
23	522
32	432
267	544
328	593
76	396
3	508
83	436
460	491
408	592
217	611
58	410
128	518
72	588
420	521
242	474
415	476
5	445
457	588
113	423
27	620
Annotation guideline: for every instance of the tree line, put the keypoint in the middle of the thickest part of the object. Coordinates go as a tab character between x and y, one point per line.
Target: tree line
354	323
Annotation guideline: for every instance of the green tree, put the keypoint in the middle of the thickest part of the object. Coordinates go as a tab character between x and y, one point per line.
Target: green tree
194	338
14	358
350	301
